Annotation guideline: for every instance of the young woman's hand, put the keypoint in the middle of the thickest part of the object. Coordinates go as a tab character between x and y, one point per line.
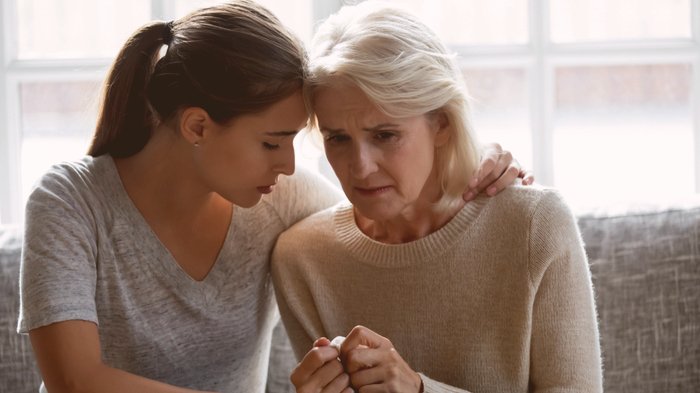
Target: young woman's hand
375	366
496	171
321	371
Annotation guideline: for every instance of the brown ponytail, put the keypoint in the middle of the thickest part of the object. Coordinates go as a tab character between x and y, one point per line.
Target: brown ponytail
231	59
125	123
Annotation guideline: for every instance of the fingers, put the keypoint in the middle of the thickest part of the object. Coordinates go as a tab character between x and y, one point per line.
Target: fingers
330	378
497	170
322	342
492	168
527	176
313	362
373	364
362	336
485	169
340	383
361	358
366	377
382	369
506	179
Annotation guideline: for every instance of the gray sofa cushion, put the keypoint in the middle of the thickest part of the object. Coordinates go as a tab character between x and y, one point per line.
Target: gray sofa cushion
17	368
646	274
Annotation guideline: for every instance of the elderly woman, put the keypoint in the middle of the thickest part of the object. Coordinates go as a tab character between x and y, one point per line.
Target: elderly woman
433	293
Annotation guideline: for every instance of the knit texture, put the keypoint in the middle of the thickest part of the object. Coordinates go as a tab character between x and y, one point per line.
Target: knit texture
497	300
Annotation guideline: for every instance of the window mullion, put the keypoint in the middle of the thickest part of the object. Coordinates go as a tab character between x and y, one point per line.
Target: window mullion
695	92
541	93
10	205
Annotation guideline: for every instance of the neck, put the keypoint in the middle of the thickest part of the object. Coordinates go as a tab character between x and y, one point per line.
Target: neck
162	182
416	222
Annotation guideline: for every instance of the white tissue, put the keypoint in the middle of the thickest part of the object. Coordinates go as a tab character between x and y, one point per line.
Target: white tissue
337	342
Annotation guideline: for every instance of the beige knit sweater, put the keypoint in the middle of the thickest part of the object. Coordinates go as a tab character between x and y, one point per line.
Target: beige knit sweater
498	300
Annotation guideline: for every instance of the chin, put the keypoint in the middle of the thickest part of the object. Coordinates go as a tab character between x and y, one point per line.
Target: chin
244	201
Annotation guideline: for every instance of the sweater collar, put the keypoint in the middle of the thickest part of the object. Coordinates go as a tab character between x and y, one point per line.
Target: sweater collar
375	253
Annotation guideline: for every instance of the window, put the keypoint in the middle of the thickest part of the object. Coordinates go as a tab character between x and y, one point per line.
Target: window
596	96
600	97
53	58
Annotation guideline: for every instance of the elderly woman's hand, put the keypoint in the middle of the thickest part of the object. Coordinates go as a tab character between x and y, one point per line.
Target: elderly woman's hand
321	371
496	171
372	362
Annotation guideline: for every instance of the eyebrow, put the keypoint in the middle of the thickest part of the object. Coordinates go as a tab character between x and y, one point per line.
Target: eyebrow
281	133
369	129
380	126
284	133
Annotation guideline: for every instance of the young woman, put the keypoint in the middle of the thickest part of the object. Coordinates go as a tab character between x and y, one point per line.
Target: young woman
433	294
146	264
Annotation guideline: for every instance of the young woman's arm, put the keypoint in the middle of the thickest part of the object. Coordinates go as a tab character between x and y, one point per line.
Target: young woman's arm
497	170
69	357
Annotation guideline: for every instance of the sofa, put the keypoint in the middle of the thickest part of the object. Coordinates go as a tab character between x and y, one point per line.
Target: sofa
645	264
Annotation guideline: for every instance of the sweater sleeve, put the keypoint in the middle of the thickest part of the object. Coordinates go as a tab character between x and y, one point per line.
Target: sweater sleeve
433	386
296	305
301	342
565	350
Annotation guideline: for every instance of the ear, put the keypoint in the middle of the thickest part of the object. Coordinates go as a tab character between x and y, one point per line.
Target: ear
193	123
441	126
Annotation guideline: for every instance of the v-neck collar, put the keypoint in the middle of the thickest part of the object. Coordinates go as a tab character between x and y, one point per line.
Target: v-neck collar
165	261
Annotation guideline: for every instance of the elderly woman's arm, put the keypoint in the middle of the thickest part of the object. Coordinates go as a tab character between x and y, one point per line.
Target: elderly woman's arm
565	349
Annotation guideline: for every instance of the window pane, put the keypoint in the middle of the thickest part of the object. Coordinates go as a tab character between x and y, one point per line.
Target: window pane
77	28
500	108
473	22
623	132
297	14
58	119
605	20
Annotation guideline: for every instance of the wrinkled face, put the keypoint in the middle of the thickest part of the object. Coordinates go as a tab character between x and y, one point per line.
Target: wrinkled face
385	165
242	160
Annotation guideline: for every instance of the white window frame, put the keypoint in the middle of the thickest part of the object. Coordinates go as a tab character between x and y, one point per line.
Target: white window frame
540	57
14	72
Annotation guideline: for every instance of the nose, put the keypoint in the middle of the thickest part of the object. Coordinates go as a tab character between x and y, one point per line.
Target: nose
286	163
363	162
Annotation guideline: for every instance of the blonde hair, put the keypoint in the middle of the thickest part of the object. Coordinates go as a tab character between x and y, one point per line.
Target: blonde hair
404	69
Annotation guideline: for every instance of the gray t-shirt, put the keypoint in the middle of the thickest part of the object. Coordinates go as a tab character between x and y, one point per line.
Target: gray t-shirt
90	255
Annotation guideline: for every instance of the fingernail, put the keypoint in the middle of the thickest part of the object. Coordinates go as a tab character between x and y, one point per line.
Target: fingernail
473	182
469	196
491	191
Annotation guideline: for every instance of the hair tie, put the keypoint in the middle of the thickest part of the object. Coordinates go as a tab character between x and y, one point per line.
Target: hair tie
168	33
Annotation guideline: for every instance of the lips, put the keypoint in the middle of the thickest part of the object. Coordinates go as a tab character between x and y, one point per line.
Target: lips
372	191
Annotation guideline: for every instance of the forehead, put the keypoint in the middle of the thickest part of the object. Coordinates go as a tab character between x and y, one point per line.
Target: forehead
289	113
343	99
